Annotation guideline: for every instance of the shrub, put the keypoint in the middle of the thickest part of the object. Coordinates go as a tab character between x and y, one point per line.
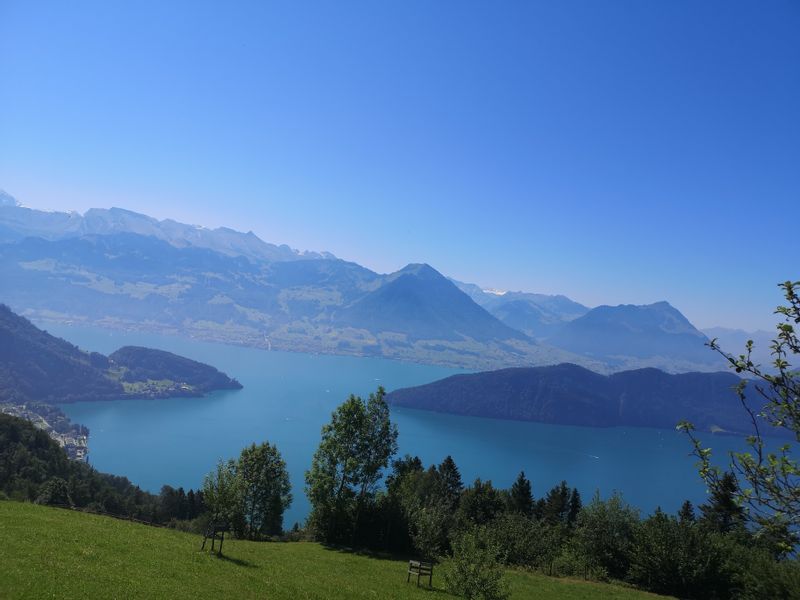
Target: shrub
474	571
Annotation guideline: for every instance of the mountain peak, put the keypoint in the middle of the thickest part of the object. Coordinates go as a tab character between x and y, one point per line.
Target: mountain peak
7	199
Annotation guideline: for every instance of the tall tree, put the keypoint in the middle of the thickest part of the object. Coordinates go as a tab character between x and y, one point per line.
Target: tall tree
480	503
222	492
686	514
265	488
722	512
575	505
556	504
356	445
449	482
520	496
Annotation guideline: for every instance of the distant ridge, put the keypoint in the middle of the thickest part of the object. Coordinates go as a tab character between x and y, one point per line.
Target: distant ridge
120	269
17	222
651	331
567	394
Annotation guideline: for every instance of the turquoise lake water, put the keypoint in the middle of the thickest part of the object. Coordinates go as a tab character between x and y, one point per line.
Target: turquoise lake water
287	397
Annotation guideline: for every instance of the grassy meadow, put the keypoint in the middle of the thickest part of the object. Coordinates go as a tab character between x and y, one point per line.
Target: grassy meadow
55	553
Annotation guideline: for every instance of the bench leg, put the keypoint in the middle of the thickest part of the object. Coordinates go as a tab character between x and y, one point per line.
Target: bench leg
408	577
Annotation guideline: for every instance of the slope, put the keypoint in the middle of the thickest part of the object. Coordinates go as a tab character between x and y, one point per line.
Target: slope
655	332
421	303
49	552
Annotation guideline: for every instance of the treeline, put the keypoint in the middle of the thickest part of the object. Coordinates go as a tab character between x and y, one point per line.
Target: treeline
477	529
34	468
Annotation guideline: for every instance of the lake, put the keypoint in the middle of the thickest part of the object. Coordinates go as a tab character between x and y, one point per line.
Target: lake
287	397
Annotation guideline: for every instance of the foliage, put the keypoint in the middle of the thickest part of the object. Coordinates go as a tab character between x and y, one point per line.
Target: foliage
143	364
265	489
767	482
672	556
520	496
222	491
473	571
346	468
480	504
604	534
54	491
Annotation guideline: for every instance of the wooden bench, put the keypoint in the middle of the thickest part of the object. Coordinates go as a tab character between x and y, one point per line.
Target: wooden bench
420	568
215	531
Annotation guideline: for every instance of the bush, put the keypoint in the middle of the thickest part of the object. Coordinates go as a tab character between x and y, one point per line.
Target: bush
474	570
54	491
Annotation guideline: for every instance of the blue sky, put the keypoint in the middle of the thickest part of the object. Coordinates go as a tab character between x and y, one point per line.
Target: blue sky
615	151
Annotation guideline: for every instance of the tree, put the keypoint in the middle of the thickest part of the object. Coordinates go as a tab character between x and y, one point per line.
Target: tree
604	534
520	496
575	505
479	504
449	482
766	482
555	508
686	513
221	492
346	468
722	512
265	489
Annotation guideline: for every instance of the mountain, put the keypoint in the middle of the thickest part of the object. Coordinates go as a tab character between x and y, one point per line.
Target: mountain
653	335
38	367
134	281
733	341
567	394
120	269
17	222
420	302
536	315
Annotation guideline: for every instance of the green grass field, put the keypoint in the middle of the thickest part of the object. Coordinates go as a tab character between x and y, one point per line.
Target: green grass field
55	553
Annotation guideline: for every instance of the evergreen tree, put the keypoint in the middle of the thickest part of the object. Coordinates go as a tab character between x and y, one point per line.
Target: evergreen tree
556	504
723	513
520	496
575	505
449	486
686	513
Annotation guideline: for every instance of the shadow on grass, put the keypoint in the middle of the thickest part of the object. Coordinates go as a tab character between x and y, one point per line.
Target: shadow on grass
236	561
400	558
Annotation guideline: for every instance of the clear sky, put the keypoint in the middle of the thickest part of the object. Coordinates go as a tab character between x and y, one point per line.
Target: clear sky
613	151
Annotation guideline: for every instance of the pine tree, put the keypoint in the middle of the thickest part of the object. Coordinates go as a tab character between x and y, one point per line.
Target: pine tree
520	498
723	513
575	505
686	514
449	486
556	504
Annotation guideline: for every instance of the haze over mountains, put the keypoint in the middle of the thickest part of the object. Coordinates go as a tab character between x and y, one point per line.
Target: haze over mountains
117	268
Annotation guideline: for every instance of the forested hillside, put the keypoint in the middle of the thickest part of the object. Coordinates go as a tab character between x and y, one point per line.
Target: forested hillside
36	366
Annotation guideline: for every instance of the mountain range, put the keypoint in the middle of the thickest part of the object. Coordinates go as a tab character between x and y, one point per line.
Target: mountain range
567	394
117	268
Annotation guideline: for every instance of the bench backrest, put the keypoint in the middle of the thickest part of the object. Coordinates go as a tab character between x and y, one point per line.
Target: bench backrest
420	565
